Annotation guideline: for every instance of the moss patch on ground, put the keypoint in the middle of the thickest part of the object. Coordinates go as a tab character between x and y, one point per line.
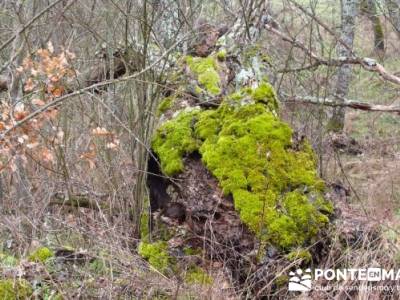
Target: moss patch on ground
15	289
41	255
249	150
159	258
196	275
156	254
300	254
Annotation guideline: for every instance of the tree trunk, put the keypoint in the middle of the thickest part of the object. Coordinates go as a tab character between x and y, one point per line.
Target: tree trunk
371	10
349	13
393	8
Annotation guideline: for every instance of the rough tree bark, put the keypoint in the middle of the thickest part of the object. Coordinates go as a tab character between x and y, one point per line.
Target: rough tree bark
348	18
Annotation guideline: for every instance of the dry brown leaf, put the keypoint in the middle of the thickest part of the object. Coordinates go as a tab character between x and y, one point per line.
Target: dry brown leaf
54	78
100	131
57	91
38	102
29	85
44	53
47	155
19	115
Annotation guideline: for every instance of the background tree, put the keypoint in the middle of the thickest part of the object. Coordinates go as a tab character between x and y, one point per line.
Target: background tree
370	8
349	10
393	9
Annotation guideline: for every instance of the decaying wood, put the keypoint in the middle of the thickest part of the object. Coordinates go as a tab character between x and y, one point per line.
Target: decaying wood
206	37
213	223
3	84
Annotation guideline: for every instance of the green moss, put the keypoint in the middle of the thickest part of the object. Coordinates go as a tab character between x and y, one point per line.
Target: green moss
249	150
15	289
221	55
198	90
196	275
266	58
265	93
253	161
302	254
173	140
206	71
210	80
156	254
144	219
282	280
144	225
236	96
165	105
41	255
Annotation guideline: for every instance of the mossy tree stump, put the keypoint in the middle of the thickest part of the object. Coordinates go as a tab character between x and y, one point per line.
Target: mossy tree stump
249	191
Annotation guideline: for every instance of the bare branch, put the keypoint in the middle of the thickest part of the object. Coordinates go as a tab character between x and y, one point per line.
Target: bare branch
294	42
95	86
368	64
323	25
77	201
346	103
30	22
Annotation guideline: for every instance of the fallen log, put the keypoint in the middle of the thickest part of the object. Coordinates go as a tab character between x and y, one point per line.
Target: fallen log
78	201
